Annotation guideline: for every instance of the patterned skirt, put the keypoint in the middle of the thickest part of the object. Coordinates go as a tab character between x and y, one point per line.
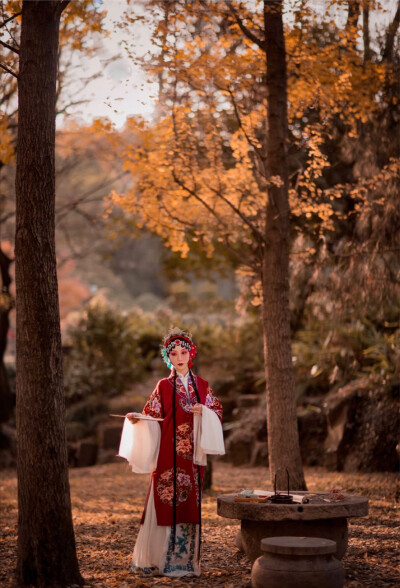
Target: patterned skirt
155	552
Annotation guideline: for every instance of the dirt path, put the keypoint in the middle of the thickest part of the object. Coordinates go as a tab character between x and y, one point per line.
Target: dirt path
108	501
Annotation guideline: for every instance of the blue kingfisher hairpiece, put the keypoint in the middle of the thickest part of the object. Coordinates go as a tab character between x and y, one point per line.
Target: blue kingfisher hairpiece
164	355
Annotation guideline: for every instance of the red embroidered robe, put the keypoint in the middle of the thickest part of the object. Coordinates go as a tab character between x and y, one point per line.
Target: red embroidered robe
160	405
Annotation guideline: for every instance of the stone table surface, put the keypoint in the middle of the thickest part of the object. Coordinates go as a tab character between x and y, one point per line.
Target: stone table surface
350	506
318	518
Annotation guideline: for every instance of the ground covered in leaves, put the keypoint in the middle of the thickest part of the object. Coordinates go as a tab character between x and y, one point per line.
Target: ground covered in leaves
108	501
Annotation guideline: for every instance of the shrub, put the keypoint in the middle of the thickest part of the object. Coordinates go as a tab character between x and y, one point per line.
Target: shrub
103	354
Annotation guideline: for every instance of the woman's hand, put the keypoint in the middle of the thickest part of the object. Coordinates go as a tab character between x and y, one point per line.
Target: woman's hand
196	409
131	417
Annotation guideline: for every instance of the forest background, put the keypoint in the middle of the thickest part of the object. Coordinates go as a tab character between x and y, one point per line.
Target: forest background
133	259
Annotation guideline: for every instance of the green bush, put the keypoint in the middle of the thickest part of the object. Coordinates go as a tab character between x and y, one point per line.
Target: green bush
103	355
109	350
334	353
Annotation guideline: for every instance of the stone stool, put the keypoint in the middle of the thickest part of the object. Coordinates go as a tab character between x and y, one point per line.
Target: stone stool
300	562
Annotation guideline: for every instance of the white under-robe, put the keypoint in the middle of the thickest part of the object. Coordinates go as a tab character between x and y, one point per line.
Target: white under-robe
140	444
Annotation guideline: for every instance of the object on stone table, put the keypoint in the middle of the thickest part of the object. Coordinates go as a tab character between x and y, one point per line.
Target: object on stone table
247	495
337	494
265	495
304	562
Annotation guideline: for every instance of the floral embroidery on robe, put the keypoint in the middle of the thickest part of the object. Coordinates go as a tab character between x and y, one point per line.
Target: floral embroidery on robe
213	403
184	440
153	406
165	486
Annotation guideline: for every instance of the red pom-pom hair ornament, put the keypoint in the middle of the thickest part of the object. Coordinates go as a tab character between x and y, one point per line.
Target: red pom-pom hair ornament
192	354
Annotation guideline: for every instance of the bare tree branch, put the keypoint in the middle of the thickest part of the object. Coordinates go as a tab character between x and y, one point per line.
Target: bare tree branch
244	218
176	219
8	70
65	209
73	103
74	252
249	34
195	195
9	47
256	150
7	216
6	97
5	22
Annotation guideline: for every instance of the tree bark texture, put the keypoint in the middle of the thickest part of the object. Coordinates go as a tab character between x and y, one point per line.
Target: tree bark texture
7	303
391	33
46	543
366	35
283	439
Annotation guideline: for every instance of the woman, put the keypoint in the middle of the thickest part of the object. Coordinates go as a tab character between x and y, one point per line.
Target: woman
173	448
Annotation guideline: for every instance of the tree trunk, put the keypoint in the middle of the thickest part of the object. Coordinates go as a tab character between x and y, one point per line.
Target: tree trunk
46	543
353	14
391	33
7	303
366	35
283	439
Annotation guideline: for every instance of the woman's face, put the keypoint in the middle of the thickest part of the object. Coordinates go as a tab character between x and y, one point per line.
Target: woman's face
179	357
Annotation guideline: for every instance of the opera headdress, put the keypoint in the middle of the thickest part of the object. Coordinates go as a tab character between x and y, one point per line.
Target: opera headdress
177	337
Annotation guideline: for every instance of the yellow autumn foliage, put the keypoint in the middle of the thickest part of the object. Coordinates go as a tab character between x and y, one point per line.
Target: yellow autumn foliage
199	170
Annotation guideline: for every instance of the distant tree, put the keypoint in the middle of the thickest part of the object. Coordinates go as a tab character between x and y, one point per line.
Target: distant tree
46	543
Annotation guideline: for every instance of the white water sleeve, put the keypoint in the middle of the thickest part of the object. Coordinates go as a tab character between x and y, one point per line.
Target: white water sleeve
140	444
208	436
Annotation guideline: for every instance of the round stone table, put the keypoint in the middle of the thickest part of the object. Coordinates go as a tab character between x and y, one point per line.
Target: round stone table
318	518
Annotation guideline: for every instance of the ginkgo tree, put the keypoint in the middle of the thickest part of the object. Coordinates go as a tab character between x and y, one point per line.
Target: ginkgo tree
240	148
